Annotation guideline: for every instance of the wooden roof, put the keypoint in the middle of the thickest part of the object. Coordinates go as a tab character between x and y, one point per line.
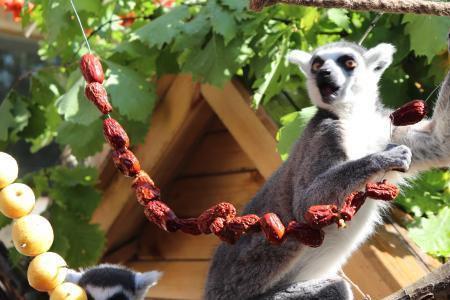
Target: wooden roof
206	145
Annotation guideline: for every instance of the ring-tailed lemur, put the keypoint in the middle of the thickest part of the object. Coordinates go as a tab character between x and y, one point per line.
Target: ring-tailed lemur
346	144
113	282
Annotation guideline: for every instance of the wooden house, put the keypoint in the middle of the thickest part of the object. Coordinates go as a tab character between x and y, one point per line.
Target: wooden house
207	145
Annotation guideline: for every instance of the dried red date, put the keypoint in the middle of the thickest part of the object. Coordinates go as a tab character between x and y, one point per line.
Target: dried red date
91	68
306	234
126	162
318	216
189	226
409	113
222	210
272	228
382	191
244	224
220	229
145	189
352	204
160	214
96	93
115	134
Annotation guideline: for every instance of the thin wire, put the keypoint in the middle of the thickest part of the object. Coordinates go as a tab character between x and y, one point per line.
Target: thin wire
370	28
355	286
81	26
433	91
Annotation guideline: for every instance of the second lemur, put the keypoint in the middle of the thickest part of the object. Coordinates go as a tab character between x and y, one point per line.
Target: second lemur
346	144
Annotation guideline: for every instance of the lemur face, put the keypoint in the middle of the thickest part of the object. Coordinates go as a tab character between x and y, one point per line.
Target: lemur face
339	70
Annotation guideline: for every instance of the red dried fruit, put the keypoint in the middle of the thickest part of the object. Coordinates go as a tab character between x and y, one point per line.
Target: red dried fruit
409	113
272	228
126	162
244	224
352	204
306	234
161	215
91	68
189	226
382	190
96	93
115	134
220	229
127	19
145	189
318	216
222	210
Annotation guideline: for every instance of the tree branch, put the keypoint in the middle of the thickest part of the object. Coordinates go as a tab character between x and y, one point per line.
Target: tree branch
389	6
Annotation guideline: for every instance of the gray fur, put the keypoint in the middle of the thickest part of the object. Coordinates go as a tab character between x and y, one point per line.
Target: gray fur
320	171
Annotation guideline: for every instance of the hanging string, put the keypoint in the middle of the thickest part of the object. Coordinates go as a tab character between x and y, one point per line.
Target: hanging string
370	28
81	26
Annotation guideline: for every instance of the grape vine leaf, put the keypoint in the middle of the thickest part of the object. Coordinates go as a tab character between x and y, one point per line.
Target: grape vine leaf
293	125
74	105
222	21
14	114
83	140
216	63
163	29
239	5
192	34
130	92
432	233
428	34
86	240
78	175
339	17
80	200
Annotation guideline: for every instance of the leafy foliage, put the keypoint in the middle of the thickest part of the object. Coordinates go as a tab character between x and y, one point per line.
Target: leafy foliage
213	40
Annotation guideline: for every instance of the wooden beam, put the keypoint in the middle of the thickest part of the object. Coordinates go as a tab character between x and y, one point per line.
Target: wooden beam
254	138
180	280
123	254
167	120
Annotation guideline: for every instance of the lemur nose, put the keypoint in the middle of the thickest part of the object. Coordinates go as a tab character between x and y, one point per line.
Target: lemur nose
324	72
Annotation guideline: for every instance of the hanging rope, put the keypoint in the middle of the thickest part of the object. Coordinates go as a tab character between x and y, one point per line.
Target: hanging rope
390	6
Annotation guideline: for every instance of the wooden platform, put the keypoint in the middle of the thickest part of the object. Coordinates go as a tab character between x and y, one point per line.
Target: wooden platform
201	152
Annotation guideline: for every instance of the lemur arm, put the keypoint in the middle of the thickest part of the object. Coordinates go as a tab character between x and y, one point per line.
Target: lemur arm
337	182
429	140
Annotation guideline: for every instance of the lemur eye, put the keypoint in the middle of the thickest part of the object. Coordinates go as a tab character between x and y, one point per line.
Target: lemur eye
317	64
350	64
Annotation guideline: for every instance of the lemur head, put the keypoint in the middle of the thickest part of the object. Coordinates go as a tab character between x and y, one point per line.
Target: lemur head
113	282
343	73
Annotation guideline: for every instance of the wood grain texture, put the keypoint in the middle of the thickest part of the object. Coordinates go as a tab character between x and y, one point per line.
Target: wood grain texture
253	137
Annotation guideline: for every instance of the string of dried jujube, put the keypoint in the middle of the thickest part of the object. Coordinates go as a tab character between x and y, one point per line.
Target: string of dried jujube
221	219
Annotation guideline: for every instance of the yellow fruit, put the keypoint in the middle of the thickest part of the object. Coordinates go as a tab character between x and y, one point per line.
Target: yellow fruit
8	169
68	291
46	271
32	235
16	200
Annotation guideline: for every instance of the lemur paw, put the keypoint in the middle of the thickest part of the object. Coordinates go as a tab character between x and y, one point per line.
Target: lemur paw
397	157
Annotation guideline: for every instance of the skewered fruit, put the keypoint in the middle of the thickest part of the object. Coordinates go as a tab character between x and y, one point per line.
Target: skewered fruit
46	271
8	169
68	291
16	200
32	235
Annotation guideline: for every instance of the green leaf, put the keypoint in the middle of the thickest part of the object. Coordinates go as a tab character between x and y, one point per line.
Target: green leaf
339	17
75	107
429	193
293	126
163	29
80	200
14	114
238	5
216	63
222	21
269	85
428	34
83	140
192	34
71	177
432	234
130	93
86	241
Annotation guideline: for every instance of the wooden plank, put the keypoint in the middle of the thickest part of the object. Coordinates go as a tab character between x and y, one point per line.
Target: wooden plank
216	153
167	120
181	279
158	244
192	195
162	170
244	125
123	254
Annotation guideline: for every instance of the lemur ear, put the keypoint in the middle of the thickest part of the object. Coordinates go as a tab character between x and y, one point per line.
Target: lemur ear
73	276
300	58
147	279
380	57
